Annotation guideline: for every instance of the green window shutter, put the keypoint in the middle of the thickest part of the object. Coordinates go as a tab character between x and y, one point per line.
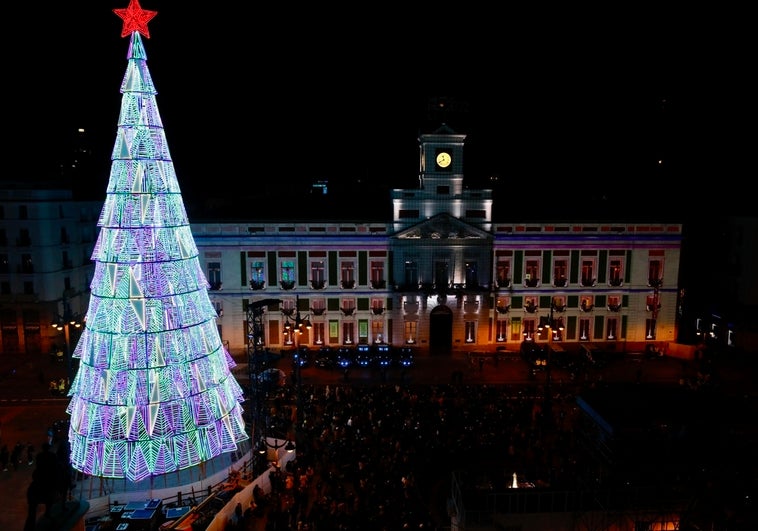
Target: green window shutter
628	268
518	267
572	301
362	268
599	328
600	301
362	304
333	304
574	267
602	266
571	327
243	269
547	265
624	324
334	269
273	273
302	268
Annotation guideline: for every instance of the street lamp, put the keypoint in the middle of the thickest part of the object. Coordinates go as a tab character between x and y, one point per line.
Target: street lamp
554	326
294	325
63	323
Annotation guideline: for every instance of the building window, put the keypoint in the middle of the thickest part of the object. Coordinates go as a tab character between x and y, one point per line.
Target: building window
318	307
655	272
287	274
472	275
219	306
377	330
503	277
214	275
502	330
652	303
530	327
470	332
560	273
257	275
377	306
584	329
410	332
28	288
27	266
649	328
348	307
615	273
318	333
612	328
348	332
4	265
377	274
411	274
318	278
587	303
441	277
532	273
347	274
588	273
614	303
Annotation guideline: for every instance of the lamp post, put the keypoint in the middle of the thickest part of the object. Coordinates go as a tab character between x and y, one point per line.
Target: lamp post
551	324
295	324
63	323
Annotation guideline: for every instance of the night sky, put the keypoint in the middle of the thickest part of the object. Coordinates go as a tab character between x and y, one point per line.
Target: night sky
554	103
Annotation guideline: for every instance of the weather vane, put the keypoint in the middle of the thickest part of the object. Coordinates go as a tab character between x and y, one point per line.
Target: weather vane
135	19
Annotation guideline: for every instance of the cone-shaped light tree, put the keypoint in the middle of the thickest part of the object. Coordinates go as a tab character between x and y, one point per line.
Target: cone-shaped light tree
154	391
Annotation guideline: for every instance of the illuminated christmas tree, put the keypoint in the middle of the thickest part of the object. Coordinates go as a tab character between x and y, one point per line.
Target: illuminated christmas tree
154	391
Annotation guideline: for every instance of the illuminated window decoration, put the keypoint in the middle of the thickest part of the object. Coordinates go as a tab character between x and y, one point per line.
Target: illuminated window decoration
154	392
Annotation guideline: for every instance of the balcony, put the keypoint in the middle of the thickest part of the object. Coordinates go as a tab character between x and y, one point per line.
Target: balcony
503	308
530	307
287	284
318	284
652	307
347	284
587	282
289	312
655	282
503	283
348	311
531	282
216	286
411	307
257	284
377	310
586	306
615	282
318	311
378	284
560	282
614	307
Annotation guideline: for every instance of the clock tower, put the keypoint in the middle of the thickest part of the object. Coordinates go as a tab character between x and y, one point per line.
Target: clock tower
441	162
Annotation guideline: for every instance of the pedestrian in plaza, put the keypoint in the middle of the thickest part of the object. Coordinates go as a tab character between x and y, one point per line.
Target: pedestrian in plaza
29	453
16	454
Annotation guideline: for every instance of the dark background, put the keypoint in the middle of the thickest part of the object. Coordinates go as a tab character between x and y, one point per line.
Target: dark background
559	105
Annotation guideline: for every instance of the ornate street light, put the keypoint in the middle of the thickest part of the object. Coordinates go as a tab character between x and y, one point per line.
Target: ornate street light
63	323
554	326
294	325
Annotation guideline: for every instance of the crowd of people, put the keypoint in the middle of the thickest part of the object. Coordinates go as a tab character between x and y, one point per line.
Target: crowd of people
380	457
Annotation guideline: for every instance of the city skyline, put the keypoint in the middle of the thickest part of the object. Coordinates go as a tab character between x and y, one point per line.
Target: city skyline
544	105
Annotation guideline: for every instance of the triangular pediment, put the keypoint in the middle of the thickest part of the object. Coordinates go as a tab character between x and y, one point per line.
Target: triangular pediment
442	227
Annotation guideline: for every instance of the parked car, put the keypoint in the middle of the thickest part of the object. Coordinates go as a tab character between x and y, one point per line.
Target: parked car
363	356
345	356
301	356
326	358
381	355
404	356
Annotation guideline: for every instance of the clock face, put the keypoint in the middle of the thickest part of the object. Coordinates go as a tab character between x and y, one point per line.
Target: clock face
443	159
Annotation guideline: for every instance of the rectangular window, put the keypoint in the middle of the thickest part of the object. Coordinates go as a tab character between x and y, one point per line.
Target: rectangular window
612	328
318	306
503	278
502	330
411	275
28	288
258	275
441	278
584	329
532	273
27	266
287	274
410	332
472	275
649	328
348	332
4	265
377	306
318	274
470	332
588	273
347	274
560	272
377	274
530	329
318	333
655	272
615	273
214	275
377	330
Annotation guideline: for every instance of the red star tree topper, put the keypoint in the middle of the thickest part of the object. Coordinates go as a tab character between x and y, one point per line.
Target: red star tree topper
135	19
